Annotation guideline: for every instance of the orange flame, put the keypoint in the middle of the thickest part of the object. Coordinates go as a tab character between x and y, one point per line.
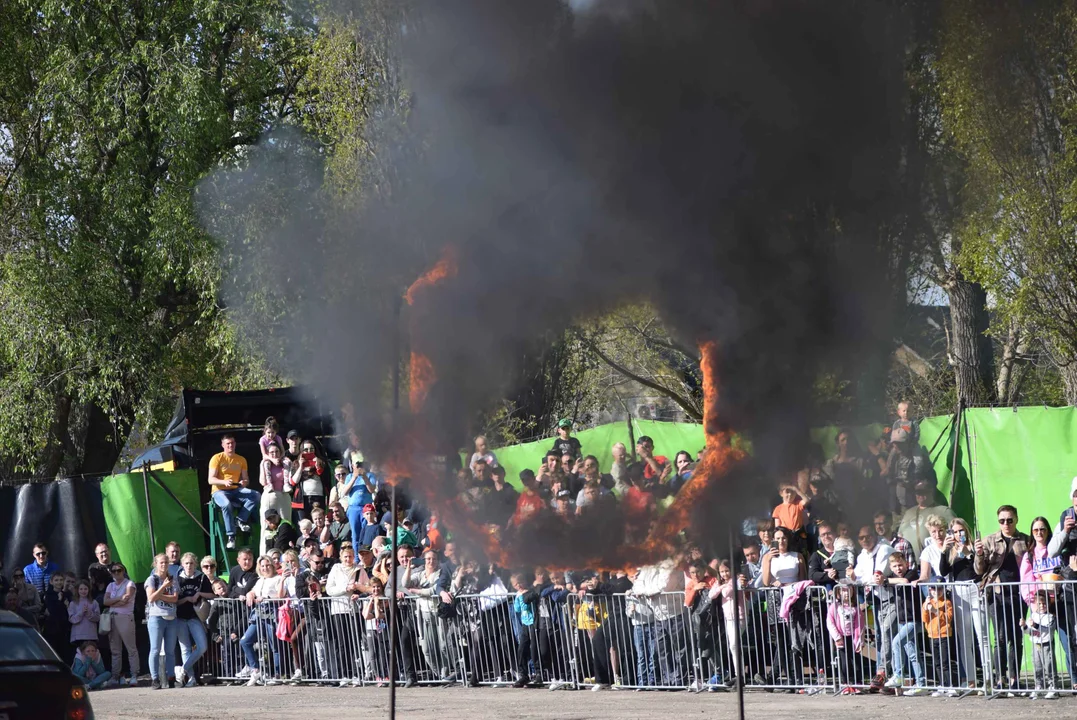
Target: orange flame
444	268
422	376
719	457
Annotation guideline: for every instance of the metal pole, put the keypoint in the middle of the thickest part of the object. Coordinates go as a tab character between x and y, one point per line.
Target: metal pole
149	511
392	604
736	627
631	437
957	446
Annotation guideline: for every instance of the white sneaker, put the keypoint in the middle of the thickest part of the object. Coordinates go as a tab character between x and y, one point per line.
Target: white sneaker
1033	695
297	675
256	677
244	673
1051	695
894	682
180	675
913	692
600	686
344	683
230	544
939	693
555	685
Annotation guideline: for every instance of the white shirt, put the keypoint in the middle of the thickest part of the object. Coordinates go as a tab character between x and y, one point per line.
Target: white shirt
932	554
867	564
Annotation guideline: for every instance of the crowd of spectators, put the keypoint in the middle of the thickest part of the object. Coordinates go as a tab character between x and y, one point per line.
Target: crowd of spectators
815	581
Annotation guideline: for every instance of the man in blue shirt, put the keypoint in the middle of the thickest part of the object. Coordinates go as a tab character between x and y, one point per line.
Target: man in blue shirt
39	572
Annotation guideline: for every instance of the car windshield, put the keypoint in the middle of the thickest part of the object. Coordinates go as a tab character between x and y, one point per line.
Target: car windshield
20	644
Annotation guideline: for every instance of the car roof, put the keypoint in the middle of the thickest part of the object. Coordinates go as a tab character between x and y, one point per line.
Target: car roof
9	618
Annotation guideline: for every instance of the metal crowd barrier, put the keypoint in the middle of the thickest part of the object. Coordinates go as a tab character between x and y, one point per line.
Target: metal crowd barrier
1010	639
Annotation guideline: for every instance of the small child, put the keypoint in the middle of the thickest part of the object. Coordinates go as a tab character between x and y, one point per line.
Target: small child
790	514
938	617
524	607
732	606
905	421
906	600
845	621
57	627
1040	628
89	668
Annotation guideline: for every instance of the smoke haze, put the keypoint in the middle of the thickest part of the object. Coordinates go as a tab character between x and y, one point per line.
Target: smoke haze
731	163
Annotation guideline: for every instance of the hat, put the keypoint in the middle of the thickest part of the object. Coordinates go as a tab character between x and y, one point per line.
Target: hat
564	494
369	506
292	434
364	548
899	435
564	423
923	488
272	513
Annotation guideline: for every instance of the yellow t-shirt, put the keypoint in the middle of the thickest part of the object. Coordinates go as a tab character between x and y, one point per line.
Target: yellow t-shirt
590	615
230	470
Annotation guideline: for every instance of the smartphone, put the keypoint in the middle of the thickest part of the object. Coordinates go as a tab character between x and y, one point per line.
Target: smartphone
308	459
962	537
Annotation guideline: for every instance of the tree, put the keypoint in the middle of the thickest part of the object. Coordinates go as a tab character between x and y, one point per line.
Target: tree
110	112
1009	79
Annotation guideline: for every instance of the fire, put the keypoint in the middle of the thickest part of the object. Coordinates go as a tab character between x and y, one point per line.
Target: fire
422	376
719	457
446	267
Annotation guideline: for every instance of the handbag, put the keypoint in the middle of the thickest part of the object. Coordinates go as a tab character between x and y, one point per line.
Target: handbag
285	623
202	609
104	623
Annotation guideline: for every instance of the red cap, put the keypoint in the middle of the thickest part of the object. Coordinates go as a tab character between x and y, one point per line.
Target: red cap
369	506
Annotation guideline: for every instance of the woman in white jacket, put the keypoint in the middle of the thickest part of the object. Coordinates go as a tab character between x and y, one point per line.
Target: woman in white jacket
346	580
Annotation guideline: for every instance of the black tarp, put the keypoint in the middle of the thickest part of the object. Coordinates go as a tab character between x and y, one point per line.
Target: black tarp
64	514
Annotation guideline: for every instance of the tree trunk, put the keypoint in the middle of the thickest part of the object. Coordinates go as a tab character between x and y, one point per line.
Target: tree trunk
970	350
1069	380
1012	367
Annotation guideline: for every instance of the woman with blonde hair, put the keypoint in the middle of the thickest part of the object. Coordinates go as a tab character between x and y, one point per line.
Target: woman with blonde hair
263	620
161	597
293	627
958	566
194	587
942	539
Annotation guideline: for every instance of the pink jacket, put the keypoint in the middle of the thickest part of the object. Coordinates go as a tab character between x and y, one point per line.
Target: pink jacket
83	615
790	595
1034	565
834	625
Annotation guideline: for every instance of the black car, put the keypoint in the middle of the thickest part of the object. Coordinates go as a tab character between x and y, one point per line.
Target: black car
34	683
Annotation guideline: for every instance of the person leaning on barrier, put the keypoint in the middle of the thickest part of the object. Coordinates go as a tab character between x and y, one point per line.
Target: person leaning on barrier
242	576
423	584
872	566
957	566
998	561
405	618
1064	539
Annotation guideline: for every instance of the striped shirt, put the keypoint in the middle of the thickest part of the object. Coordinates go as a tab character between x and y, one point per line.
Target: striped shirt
38	576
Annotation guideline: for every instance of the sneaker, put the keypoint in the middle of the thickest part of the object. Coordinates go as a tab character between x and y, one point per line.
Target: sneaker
171	683
297	675
344	683
877	682
894	682
600	686
243	527
939	693
1051	695
914	691
356	683
256	677
952	693
555	685
696	686
272	682
230	544
191	682
410	683
1033	695
521	683
244	673
180	676
155	684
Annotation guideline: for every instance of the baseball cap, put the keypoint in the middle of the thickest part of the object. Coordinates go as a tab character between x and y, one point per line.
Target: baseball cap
292	434
924	488
564	423
364	548
271	513
369	506
564	494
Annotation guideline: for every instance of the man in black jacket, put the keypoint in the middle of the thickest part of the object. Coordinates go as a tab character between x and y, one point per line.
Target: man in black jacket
281	533
242	577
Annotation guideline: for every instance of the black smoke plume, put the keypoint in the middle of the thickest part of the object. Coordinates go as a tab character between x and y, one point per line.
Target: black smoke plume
732	163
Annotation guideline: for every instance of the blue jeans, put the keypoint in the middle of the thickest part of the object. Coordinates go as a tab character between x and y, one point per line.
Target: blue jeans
265	637
192	640
905	638
243	498
162	633
99	680
643	639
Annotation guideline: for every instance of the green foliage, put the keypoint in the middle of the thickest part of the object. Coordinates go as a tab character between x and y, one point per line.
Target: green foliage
110	112
1009	76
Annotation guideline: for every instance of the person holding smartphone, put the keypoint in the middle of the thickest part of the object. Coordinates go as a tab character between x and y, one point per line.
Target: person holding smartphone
1064	538
161	597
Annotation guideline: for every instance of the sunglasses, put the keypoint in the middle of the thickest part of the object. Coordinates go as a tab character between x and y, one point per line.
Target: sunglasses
207	566
41	554
1039	529
117	570
863	537
1005	521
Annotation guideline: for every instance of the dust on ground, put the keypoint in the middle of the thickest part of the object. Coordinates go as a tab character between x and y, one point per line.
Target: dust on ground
458	703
